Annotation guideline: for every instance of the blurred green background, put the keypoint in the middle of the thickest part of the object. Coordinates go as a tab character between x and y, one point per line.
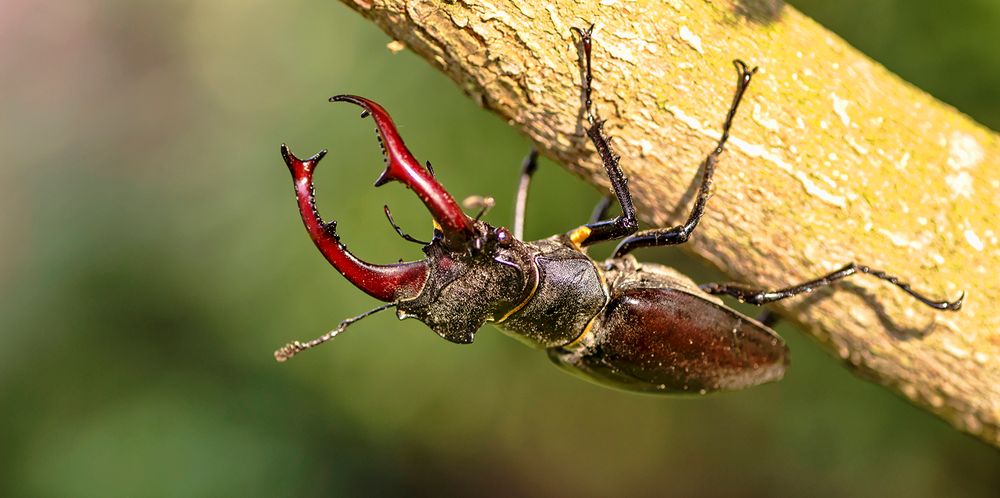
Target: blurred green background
152	258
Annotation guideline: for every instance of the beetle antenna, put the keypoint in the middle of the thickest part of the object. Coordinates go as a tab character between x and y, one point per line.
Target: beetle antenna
291	349
399	231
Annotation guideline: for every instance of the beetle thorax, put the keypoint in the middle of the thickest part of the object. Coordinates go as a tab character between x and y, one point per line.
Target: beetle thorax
567	296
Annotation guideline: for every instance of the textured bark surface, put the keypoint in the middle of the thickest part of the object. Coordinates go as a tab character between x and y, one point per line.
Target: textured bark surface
833	159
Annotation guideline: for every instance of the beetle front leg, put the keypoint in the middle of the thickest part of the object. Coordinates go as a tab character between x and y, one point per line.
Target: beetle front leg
750	295
625	224
679	234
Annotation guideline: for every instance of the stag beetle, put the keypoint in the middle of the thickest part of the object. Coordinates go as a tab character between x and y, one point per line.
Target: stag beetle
641	327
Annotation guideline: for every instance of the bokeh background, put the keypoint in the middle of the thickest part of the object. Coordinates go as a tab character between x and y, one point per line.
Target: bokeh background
151	259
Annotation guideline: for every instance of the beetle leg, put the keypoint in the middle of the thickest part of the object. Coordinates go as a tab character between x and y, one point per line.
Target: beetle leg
383	282
528	167
768	318
680	233
747	294
401	166
623	225
601	209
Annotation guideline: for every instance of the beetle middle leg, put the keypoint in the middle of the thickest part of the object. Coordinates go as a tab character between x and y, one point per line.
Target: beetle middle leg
601	209
750	295
680	233
768	318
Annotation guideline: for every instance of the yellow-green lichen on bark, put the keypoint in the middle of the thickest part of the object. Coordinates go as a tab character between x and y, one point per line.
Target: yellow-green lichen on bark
833	159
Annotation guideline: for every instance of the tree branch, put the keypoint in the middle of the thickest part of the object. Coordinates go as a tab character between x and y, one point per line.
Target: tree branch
833	159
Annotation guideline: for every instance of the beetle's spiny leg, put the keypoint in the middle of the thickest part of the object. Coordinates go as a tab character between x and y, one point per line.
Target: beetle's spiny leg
528	168
399	231
680	233
750	295
588	78
623	225
293	348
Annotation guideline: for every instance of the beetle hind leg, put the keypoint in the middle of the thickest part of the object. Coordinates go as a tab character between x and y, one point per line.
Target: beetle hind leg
750	295
680	233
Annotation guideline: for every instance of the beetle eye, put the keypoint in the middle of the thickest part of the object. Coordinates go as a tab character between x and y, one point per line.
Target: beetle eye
504	238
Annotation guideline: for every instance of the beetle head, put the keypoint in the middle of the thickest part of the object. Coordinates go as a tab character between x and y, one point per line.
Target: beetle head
473	272
467	287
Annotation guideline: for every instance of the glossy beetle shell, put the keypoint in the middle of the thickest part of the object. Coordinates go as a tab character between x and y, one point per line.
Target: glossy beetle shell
659	333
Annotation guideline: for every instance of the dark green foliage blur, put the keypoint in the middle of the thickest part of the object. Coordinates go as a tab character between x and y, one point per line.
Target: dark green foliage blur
151	258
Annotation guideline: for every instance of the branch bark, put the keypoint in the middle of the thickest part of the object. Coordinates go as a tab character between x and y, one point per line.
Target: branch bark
833	159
